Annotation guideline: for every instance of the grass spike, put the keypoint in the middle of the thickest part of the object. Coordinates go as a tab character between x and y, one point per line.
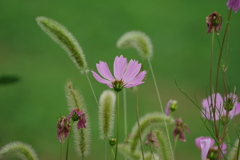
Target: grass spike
18	149
65	39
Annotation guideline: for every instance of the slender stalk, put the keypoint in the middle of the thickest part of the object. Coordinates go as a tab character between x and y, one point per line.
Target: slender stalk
106	146
112	152
238	149
61	151
139	128
125	115
116	151
91	88
218	68
175	143
69	140
150	145
213	107
160	103
82	157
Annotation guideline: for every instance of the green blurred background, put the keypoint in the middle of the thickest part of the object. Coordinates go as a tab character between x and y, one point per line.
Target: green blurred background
29	108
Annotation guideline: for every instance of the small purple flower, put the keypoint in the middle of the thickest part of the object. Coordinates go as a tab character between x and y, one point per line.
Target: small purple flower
171	106
125	75
180	127
230	103
63	127
78	115
214	21
208	151
151	138
234	5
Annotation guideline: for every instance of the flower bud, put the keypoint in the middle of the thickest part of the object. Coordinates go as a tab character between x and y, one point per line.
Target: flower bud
112	141
229	104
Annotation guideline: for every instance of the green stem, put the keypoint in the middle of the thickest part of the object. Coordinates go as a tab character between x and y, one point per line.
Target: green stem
106	145
116	151
125	115
238	148
150	145
112	152
91	88
69	140
61	151
139	128
160	103
175	143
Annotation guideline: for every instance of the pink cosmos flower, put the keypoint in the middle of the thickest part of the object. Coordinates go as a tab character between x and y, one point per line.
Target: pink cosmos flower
125	75
205	144
179	129
234	5
63	127
78	115
230	103
171	106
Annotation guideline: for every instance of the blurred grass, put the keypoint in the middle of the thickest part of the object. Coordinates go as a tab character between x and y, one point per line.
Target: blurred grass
29	109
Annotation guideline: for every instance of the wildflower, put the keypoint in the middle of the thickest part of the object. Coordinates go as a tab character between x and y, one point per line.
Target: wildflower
208	151
234	5
125	75
171	106
151	138
78	115
63	128
214	21
229	103
179	130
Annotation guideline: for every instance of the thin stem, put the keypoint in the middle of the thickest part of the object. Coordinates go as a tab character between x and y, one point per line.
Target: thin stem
69	140
139	128
61	151
160	103
91	88
106	146
150	145
238	148
116	151
213	106
82	157
112	152
125	115
175	143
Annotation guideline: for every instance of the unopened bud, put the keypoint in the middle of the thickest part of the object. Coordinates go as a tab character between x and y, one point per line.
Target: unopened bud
214	22
112	141
229	104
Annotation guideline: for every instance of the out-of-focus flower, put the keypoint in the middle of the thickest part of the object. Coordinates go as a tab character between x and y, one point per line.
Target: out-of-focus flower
214	21
63	127
180	127
151	138
125	75
234	5
78	115
171	106
208	151
230	103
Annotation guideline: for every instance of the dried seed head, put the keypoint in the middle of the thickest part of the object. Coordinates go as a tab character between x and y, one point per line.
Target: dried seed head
214	22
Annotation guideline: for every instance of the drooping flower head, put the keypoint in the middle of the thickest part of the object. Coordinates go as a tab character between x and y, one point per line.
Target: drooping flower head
222	105
234	5
214	21
180	127
151	138
78	115
125	74
171	106
208	151
63	127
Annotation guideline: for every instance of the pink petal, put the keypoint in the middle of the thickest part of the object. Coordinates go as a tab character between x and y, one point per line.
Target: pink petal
104	70
167	110
132	85
197	141
131	71
120	64
205	146
138	78
101	80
